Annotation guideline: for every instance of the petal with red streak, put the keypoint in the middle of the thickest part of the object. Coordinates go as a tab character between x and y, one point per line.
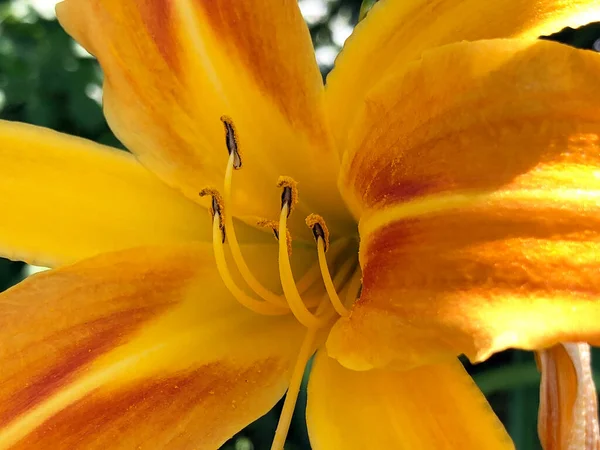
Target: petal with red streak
137	348
478	194
394	33
172	69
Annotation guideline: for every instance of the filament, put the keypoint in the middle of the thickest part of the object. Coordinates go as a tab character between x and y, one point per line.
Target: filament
247	301
291	396
234	247
330	288
295	302
306	351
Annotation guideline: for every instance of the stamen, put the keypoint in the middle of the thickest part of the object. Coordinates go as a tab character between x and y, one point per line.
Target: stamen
311	276
321	233
289	195
295	302
317	224
236	251
219	252
216	207
274	226
315	272
306	351
231	141
289	404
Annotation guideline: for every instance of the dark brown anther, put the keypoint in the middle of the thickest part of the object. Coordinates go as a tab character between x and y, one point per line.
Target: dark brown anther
317	224
274	226
286	199
318	232
289	193
231	141
216	207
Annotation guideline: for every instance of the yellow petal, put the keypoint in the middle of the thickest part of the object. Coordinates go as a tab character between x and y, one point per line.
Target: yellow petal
397	32
480	207
432	407
136	349
174	68
64	198
568	416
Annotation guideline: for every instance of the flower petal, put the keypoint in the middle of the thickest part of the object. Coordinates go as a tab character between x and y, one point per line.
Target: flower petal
436	406
568	416
172	69
397	32
65	198
137	349
480	208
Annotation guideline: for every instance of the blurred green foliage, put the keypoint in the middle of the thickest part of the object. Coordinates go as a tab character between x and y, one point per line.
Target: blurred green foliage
45	79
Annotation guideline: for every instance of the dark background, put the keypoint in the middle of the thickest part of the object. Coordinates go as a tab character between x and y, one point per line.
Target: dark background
46	80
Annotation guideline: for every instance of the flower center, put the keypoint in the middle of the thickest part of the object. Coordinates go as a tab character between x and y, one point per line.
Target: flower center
313	315
264	301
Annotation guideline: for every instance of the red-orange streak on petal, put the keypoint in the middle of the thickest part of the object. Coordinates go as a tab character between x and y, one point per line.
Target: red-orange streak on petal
419	165
466	249
75	314
476	280
107	333
491	119
262	56
156	404
149	29
157	17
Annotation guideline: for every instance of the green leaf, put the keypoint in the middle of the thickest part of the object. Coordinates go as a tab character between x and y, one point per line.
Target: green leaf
365	7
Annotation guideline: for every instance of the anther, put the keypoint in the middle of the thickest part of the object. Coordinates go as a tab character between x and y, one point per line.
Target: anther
274	226
216	207
319	229
231	141
289	195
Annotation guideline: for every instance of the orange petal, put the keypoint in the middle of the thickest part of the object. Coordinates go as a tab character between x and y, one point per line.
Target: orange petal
420	134
568	416
432	407
397	32
480	214
137	349
65	198
174	68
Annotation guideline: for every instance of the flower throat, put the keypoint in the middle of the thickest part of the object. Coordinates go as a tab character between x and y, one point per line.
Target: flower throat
314	316
268	302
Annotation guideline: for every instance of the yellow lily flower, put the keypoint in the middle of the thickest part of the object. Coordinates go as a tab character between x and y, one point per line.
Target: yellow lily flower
453	160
